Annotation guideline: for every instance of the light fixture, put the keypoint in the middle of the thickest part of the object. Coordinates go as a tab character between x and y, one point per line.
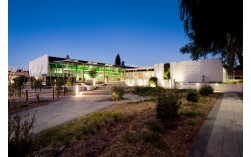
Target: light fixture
77	90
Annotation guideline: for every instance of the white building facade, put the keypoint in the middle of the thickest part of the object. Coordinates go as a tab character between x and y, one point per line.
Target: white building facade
182	72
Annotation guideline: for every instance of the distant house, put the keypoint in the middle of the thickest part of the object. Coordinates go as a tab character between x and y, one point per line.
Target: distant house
238	72
18	73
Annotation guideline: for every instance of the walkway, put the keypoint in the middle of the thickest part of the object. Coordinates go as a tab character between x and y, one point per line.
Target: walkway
69	108
222	133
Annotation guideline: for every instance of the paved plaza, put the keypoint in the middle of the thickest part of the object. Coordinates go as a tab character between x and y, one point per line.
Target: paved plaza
71	107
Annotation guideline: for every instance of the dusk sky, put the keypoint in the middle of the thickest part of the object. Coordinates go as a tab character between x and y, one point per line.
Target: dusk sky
143	32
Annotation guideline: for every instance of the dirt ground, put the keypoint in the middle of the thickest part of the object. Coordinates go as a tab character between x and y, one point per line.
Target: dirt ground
141	133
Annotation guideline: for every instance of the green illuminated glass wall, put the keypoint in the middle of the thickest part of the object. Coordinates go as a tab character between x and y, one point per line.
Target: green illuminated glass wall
81	72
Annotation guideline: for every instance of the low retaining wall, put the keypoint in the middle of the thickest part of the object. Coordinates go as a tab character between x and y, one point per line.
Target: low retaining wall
137	82
216	86
170	84
145	82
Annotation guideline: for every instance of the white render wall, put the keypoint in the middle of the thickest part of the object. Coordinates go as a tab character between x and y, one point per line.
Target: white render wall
159	70
192	71
39	66
218	87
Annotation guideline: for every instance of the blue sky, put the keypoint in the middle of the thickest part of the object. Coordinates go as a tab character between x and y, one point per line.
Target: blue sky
143	32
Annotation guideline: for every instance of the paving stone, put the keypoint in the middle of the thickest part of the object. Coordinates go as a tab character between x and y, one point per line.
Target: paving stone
226	133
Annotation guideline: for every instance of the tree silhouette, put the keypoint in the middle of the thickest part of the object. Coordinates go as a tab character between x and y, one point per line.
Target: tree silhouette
117	60
214	27
123	63
67	57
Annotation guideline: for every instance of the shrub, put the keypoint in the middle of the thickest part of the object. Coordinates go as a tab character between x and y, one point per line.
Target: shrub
130	138
192	122
69	81
20	137
206	90
153	81
167	107
192	96
117	92
152	126
35	84
17	86
145	91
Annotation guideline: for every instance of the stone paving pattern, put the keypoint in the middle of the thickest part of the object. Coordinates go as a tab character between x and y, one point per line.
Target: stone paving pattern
222	133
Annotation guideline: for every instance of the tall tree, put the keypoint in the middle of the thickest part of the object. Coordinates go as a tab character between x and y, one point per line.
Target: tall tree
67	57
117	60
214	27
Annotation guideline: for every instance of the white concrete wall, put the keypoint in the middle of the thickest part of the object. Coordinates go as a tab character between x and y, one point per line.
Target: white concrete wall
192	71
39	66
145	82
137	82
217	86
159	70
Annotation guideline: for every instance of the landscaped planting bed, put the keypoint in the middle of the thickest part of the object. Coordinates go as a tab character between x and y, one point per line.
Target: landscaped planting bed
130	129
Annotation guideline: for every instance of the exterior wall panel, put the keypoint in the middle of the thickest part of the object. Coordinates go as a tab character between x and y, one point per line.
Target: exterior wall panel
192	71
39	66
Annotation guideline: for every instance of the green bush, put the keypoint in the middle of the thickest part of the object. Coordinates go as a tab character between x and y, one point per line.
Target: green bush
145	91
192	96
19	135
69	81
167	107
117	92
153	81
206	90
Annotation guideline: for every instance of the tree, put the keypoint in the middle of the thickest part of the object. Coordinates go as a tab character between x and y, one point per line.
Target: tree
123	63
67	57
228	54
59	85
117	60
167	71
214	27
35	84
17	85
93	73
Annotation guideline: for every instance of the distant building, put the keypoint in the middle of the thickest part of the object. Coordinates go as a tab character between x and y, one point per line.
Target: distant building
12	75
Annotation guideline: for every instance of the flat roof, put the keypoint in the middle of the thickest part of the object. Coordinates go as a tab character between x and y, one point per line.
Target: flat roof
141	68
77	61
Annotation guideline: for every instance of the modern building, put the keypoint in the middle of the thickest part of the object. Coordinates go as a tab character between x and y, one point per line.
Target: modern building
48	68
180	72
